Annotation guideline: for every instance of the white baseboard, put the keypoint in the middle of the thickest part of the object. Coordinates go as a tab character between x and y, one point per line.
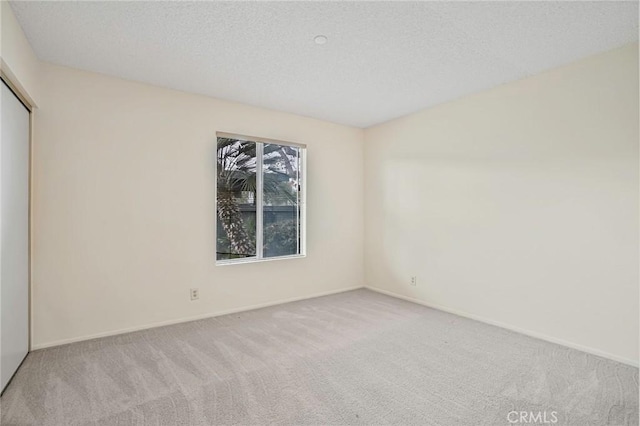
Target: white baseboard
593	351
188	319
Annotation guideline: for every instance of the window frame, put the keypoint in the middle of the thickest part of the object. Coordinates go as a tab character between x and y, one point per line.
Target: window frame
259	257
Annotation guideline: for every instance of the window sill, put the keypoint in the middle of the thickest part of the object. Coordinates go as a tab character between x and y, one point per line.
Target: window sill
254	260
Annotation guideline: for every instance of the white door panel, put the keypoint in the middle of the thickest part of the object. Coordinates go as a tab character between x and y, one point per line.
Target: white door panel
14	228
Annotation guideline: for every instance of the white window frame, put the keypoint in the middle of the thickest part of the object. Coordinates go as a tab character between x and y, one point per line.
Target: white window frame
259	195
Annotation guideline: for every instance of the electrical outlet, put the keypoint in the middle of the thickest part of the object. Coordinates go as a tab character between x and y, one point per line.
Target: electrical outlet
195	294
414	281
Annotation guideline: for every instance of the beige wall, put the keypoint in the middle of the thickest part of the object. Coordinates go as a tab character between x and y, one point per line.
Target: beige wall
518	205
124	209
19	62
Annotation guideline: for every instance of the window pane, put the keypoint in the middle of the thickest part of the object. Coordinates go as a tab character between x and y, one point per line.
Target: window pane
236	199
281	176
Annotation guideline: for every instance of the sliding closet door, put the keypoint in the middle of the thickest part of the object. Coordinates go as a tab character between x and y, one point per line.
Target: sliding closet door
14	219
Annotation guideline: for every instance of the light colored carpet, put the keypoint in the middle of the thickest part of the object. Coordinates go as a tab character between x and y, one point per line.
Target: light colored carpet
352	358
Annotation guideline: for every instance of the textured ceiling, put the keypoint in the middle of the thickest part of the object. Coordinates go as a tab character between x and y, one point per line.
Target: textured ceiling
382	60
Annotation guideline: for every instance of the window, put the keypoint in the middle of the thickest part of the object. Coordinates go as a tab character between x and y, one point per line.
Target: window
259	199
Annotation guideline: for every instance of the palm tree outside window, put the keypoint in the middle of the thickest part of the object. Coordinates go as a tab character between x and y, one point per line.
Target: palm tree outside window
259	199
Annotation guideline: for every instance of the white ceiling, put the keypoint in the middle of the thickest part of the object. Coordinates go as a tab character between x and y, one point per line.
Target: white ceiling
382	60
